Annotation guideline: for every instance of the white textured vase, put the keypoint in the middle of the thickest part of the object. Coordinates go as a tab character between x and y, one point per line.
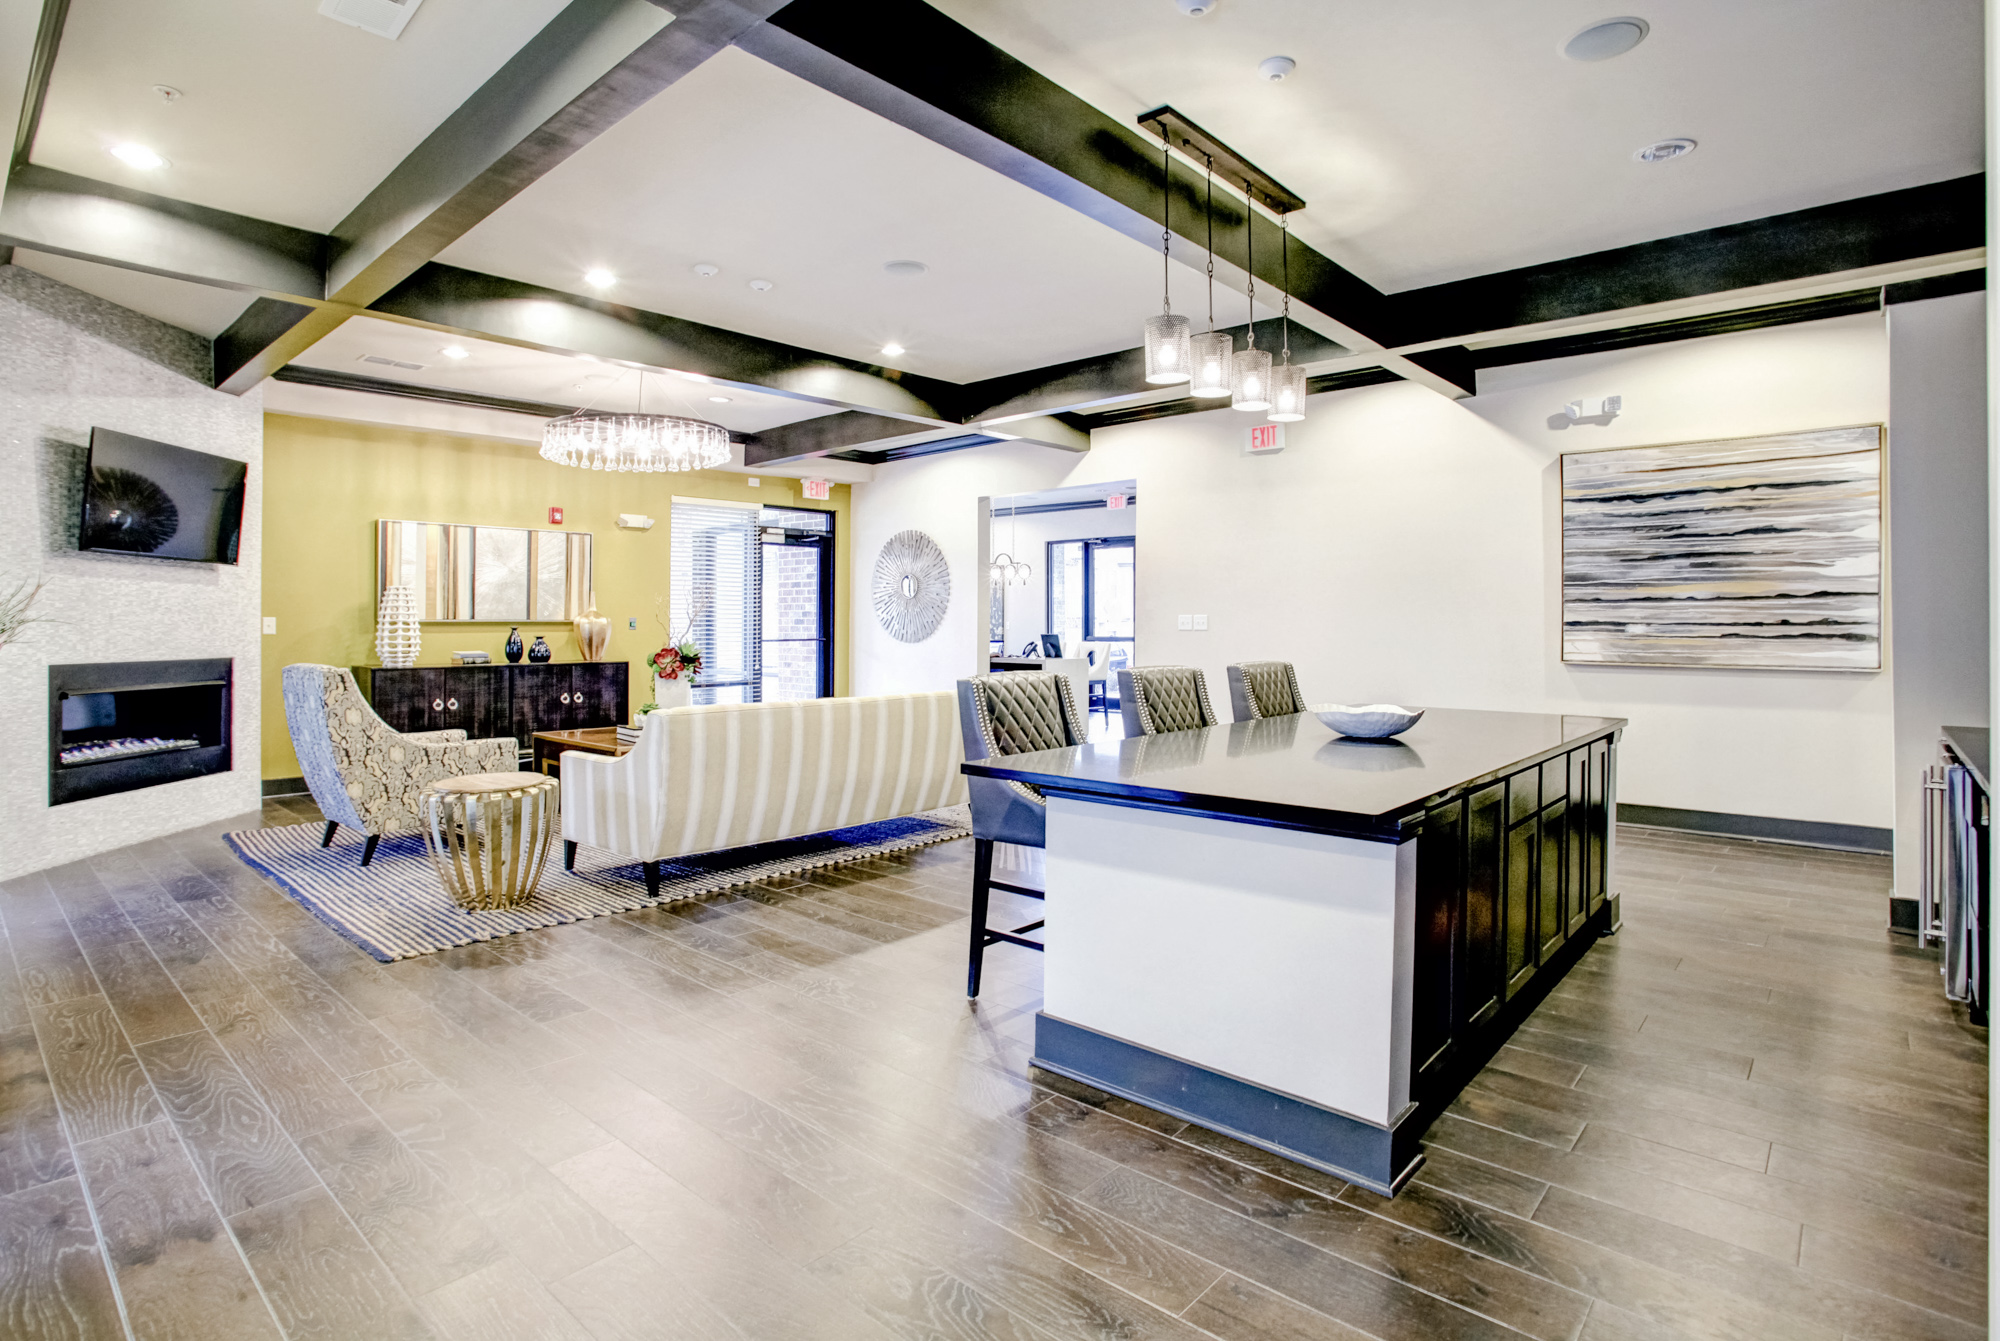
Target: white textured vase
672	693
399	634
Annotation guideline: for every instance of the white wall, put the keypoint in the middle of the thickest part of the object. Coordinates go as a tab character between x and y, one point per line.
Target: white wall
1408	547
70	362
1937	536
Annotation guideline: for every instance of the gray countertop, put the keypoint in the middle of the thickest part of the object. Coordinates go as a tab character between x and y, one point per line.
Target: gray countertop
1973	746
1295	772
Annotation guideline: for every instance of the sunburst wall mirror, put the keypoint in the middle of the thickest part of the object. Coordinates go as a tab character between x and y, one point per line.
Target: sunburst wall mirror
912	586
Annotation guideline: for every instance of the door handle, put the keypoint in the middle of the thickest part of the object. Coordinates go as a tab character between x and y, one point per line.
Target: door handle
565	698
451	703
437	705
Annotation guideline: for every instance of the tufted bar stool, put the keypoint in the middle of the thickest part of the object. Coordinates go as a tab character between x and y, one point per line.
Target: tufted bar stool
1264	689
1163	698
1013	712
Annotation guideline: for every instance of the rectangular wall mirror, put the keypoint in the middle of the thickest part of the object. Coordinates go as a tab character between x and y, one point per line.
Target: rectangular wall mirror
487	573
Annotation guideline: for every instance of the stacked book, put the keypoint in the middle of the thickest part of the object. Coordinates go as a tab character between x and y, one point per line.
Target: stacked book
629	735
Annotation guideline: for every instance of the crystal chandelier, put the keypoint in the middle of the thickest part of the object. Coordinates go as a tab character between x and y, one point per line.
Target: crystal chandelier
634	442
1288	379
1166	334
1211	353
1250	372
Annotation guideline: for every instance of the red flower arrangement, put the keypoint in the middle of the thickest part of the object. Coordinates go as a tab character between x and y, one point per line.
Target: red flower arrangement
673	663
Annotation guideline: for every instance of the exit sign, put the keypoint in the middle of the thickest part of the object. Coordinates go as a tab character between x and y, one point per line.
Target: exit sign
1115	501
1265	438
820	489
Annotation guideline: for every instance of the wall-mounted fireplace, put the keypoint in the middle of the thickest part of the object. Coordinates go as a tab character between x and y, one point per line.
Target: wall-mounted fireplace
119	726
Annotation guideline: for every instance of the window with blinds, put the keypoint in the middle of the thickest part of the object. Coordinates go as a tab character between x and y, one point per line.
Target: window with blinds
716	593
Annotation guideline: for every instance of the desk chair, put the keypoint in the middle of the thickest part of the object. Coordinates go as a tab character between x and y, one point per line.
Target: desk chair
1264	689
1163	698
1015	712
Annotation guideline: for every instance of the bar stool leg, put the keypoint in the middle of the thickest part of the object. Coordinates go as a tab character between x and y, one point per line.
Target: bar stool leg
982	888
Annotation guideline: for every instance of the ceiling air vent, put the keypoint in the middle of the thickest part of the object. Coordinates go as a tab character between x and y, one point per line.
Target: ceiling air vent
391	363
384	18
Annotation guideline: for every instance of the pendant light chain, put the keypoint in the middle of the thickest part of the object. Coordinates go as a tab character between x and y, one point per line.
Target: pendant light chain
1285	271
1211	241
1250	256
1166	222
1168	348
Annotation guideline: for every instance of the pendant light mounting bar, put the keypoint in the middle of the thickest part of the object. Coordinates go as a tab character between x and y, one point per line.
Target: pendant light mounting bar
1196	143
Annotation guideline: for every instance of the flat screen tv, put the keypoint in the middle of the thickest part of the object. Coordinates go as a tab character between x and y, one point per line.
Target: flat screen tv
145	497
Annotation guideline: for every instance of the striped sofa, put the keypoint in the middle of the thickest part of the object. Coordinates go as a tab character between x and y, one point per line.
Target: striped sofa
707	778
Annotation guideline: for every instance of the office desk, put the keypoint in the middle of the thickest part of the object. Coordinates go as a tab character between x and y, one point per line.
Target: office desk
1307	942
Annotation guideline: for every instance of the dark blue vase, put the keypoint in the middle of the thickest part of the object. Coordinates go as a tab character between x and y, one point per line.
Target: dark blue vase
540	651
513	644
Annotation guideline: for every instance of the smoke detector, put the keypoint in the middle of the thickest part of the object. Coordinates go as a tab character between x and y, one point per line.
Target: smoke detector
1664	150
384	18
1275	68
1194	9
1611	37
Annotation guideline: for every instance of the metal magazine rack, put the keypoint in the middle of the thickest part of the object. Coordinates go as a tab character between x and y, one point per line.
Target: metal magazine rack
1951	910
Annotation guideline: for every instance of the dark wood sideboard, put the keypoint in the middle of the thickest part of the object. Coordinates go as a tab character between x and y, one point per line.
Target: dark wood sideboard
502	699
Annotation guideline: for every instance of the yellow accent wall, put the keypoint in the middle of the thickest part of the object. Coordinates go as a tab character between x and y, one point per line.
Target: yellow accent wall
327	483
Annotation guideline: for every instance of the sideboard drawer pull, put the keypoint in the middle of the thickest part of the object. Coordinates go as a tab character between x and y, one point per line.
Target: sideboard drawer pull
437	705
451	703
565	698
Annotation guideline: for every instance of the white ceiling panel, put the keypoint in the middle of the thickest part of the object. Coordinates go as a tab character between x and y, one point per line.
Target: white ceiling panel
285	114
1451	138
750	169
494	369
193	307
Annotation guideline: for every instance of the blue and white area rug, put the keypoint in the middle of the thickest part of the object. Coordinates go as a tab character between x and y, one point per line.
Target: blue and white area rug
394	908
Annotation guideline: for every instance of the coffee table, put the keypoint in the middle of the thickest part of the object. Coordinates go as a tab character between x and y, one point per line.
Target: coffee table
489	835
549	746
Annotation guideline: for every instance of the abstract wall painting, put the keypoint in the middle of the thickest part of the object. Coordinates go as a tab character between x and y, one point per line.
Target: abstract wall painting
1747	553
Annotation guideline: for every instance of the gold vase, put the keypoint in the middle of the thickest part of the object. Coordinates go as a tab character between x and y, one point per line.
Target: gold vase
593	632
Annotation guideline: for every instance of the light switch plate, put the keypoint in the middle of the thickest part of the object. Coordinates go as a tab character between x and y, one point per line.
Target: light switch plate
1187	621
1201	623
270	623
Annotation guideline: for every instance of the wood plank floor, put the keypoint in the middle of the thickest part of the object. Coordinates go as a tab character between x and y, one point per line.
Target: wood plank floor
772	1115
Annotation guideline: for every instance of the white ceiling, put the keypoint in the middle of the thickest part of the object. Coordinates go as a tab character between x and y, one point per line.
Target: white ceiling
199	308
751	169
1451	138
285	115
495	369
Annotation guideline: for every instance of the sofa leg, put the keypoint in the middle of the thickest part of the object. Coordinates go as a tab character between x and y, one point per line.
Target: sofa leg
569	855
982	888
326	839
368	848
652	869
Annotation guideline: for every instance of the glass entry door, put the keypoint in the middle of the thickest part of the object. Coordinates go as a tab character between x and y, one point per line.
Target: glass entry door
797	605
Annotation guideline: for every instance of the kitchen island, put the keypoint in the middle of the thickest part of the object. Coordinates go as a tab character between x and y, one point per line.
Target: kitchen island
1308	942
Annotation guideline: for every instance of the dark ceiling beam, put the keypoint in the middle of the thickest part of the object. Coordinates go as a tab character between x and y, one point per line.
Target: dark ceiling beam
1896	226
907	62
820	437
46	210
492	308
383	386
48	38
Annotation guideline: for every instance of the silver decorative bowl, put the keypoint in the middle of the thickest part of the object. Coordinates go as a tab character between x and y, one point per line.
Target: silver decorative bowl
1370	721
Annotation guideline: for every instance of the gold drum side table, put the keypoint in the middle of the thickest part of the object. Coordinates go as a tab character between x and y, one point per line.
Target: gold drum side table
489	835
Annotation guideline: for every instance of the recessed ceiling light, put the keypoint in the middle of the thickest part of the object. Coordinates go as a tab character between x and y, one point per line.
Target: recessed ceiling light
761	285
1275	68
905	269
1664	150
599	278
706	269
719	400
892	350
137	156
1611	37
456	352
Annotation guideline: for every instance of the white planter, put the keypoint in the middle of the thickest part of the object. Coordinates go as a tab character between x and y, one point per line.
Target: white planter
672	693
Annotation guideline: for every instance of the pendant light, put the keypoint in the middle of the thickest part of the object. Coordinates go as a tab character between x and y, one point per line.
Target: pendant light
1004	568
634	442
1250	370
1211	353
1166	334
1288	379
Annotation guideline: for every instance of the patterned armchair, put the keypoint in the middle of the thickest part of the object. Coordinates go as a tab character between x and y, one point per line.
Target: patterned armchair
1163	698
1264	689
1014	712
361	772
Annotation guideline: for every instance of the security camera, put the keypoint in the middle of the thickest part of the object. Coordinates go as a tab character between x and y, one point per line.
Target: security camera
1194	9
